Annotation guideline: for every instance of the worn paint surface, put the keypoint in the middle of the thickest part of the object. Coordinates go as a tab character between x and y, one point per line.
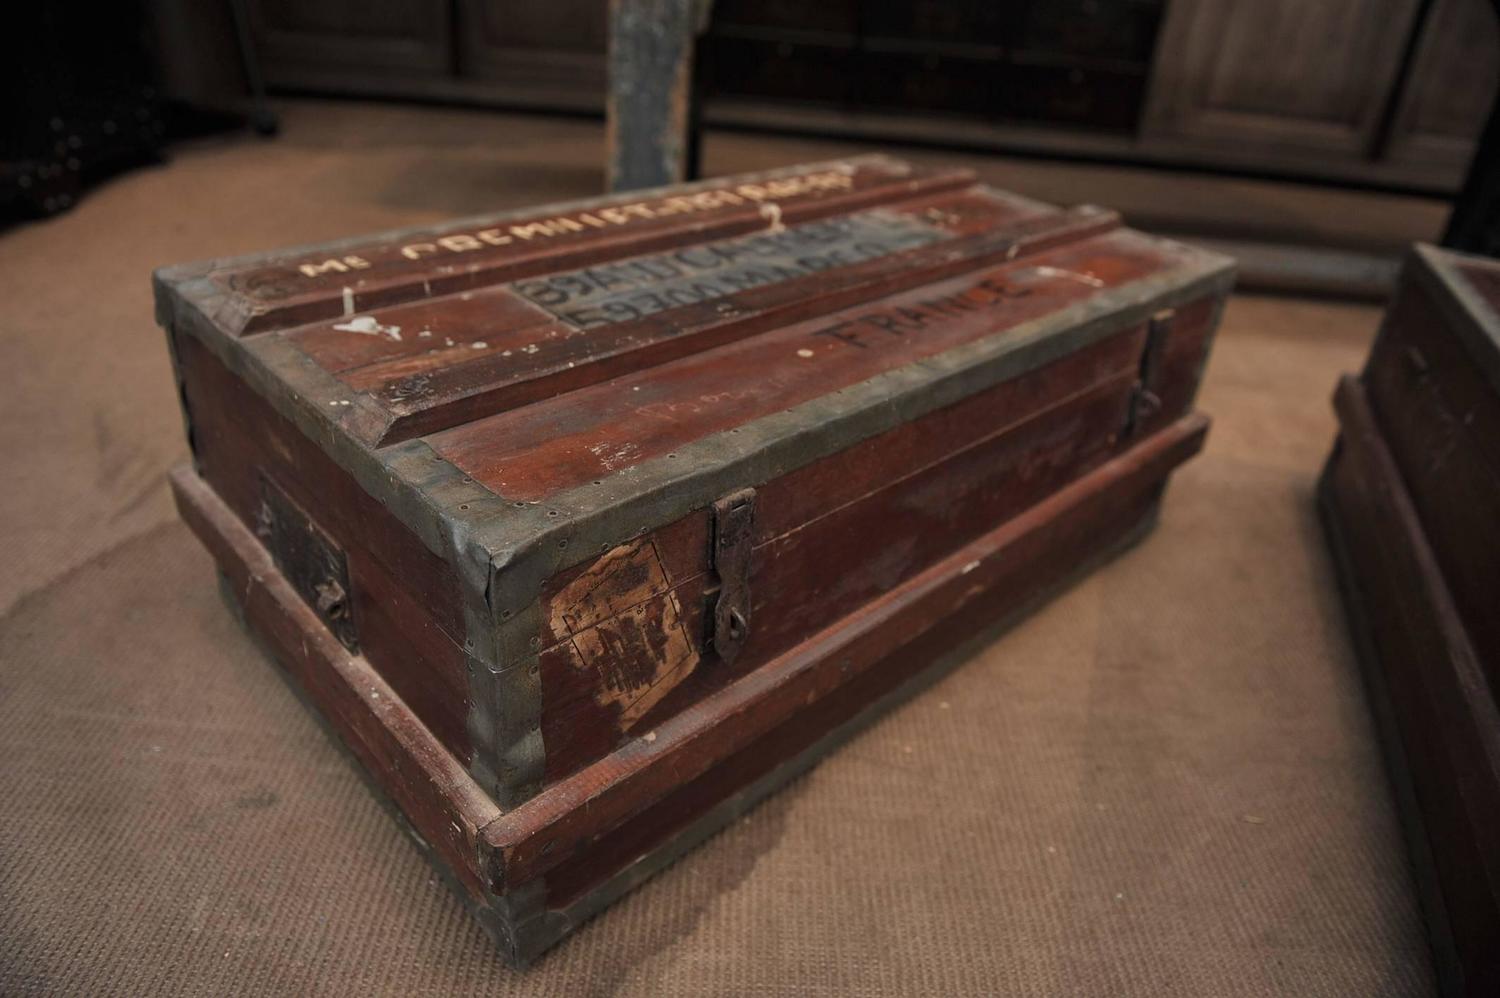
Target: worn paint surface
545	404
620	623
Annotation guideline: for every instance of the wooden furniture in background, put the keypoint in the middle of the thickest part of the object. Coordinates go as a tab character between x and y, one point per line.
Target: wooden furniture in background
543	55
1277	81
1381	92
1474	223
334	39
1411	504
1450	88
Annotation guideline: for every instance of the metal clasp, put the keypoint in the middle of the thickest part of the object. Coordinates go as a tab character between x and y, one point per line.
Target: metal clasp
734	516
1144	402
308	558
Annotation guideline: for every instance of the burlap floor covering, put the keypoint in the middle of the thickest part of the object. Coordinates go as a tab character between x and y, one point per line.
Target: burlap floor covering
1165	783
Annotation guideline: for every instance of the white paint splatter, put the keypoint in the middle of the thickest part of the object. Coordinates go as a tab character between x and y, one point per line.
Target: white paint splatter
1071	275
348	301
612	459
367	326
530	348
424	334
480	345
805	353
771	211
969	568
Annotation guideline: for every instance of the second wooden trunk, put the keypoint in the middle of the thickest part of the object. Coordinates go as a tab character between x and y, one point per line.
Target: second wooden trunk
1410	500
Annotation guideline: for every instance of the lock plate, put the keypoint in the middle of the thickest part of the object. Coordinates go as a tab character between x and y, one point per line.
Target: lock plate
309	559
734	516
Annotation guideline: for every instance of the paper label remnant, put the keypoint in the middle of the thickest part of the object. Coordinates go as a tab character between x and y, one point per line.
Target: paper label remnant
368	326
625	626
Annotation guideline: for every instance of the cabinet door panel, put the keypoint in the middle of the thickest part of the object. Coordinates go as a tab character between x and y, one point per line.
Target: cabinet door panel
548	54
298	38
1451	86
1277	76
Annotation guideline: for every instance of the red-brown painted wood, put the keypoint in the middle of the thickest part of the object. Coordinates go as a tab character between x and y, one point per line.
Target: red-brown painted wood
553	826
478	361
503	319
602	348
533	452
406	600
427	400
1057	554
945	478
414	768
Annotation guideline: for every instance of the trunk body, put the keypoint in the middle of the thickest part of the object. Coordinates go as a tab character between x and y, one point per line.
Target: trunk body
590	525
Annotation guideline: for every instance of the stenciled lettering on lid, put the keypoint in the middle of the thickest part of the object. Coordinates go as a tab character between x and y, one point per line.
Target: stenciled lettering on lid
633	289
764	192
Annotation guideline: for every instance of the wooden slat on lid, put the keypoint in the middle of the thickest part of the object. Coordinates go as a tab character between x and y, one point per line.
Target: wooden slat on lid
323	282
530	453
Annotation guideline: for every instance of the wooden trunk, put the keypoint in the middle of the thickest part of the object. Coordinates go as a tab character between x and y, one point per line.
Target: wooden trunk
1411	504
588	526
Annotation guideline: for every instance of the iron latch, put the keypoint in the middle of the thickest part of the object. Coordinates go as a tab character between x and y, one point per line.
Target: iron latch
309	559
734	516
1144	402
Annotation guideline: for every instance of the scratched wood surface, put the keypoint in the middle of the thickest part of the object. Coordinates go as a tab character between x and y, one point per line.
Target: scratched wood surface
1442	423
606	428
587	325
438	362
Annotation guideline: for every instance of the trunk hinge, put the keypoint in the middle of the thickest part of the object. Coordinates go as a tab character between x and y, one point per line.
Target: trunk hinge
1144	402
733	516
